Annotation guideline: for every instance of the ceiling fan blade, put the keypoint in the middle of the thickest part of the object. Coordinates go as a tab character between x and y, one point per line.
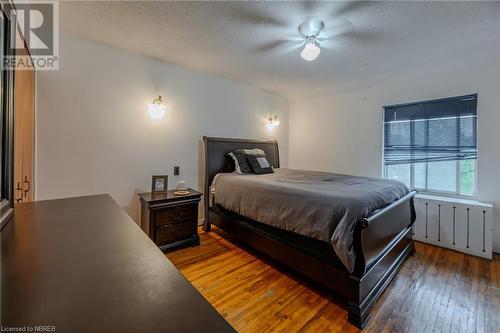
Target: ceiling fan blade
309	5
291	48
281	46
357	37
269	46
339	28
350	7
363	36
247	15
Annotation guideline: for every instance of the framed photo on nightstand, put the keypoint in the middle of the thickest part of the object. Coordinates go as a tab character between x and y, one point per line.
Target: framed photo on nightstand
159	184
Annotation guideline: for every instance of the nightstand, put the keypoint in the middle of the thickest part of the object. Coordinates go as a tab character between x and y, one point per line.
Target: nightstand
170	220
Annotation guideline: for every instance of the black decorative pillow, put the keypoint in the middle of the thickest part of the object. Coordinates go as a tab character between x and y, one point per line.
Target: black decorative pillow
260	164
241	163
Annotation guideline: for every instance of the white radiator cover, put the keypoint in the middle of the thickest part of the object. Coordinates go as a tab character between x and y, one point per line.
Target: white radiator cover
462	225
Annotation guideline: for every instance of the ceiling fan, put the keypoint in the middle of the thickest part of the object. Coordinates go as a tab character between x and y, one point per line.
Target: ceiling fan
310	31
312	36
324	23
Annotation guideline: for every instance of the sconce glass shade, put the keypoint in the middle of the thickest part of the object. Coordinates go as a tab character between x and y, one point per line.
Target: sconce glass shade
157	109
273	122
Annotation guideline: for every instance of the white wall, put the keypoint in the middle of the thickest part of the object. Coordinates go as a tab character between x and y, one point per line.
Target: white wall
346	129
94	134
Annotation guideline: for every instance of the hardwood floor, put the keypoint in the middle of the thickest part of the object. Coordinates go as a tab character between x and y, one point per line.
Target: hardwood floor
437	290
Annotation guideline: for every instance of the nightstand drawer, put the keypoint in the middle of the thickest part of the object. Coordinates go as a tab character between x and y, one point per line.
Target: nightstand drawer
172	232
176	215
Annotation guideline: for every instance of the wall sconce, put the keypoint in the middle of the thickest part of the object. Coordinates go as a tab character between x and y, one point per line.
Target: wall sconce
272	122
157	109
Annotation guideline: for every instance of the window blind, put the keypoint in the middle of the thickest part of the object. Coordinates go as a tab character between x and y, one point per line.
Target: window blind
437	130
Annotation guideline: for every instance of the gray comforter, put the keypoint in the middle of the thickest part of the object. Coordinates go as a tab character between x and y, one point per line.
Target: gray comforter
320	205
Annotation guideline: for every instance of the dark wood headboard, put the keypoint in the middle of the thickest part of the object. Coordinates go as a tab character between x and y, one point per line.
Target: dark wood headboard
217	161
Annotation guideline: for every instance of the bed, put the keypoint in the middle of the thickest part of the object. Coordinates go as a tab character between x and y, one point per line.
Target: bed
380	238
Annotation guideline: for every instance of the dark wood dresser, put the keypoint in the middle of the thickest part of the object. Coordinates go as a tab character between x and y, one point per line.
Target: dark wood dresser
82	265
170	220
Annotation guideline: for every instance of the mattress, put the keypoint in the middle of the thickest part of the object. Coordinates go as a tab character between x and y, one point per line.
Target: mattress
320	205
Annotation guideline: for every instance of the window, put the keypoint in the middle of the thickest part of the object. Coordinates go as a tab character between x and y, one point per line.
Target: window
432	145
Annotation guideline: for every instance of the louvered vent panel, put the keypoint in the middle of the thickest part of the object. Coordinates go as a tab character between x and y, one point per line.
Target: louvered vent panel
462	225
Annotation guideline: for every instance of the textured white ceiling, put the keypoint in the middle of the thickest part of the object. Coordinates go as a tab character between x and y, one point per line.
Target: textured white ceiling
245	41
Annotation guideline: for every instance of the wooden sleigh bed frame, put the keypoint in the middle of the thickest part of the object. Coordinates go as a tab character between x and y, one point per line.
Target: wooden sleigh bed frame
382	241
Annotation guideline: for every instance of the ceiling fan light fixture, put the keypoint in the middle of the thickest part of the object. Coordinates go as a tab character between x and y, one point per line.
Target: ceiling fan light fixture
311	51
310	31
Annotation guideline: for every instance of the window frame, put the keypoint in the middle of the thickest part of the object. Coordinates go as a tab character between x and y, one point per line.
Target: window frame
455	194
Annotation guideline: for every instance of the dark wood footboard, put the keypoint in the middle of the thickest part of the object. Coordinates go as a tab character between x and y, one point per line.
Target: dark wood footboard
381	242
